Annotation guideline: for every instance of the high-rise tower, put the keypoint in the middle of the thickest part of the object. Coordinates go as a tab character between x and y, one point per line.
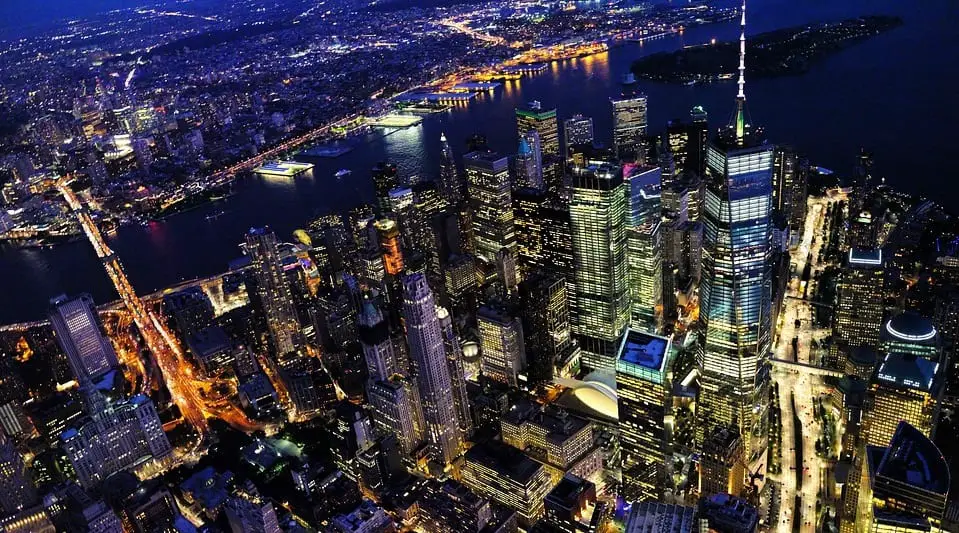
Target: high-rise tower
274	292
450	185
629	124
736	285
490	203
598	219
80	334
543	121
428	352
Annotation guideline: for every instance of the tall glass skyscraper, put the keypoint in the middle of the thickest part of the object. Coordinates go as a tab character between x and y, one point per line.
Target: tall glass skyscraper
274	292
598	219
644	238
629	124
544	122
736	286
80	333
487	174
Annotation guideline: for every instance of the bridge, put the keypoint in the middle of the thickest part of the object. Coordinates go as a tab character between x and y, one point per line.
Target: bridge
164	349
793	366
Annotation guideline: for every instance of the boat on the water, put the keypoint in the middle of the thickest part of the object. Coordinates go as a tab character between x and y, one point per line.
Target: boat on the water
342	173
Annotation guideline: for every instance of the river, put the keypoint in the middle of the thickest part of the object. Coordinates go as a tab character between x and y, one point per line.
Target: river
894	94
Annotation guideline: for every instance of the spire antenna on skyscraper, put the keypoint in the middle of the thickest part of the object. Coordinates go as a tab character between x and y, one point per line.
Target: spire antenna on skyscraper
741	97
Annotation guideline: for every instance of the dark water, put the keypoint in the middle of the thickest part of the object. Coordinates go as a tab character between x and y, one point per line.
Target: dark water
894	94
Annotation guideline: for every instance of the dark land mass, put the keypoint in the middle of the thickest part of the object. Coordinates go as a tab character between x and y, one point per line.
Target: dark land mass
788	51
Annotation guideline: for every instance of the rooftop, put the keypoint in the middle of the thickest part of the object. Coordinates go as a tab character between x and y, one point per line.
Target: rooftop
913	459
504	459
910	327
908	370
644	350
865	257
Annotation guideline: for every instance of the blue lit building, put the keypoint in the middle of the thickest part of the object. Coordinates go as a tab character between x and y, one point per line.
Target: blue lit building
736	285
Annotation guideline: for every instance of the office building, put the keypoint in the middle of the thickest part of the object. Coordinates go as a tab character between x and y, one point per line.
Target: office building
501	339
736	285
529	206
375	339
542	121
81	336
577	129
367	518
428	353
508	477
657	517
249	512
546	326
697	138
451	186
391	248
529	162
570	505
721	467
644	386
859	302
385	179
117	437
450	506
912	334
487	175
350	432
16	485
629	124
790	177
727	513
644	247
909	484
274	292
600	269
563	442
456	366
905	387
395	411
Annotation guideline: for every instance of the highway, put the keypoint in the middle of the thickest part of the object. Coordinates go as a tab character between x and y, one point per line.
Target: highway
802	470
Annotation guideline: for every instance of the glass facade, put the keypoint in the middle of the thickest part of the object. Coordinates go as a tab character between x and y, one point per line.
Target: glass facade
736	292
598	221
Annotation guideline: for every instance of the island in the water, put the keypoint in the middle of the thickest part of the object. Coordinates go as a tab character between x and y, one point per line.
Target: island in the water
776	53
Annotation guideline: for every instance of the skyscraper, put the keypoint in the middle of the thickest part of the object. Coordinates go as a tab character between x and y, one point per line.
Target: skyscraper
598	219
577	130
117	437
395	411
644	243
905	387
644	384
80	334
859	304
425	337
629	124
698	139
790	174
546	326
385	179
374	333
450	185
454	361
501	338
275	294
490	202
544	122
529	161
736	285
